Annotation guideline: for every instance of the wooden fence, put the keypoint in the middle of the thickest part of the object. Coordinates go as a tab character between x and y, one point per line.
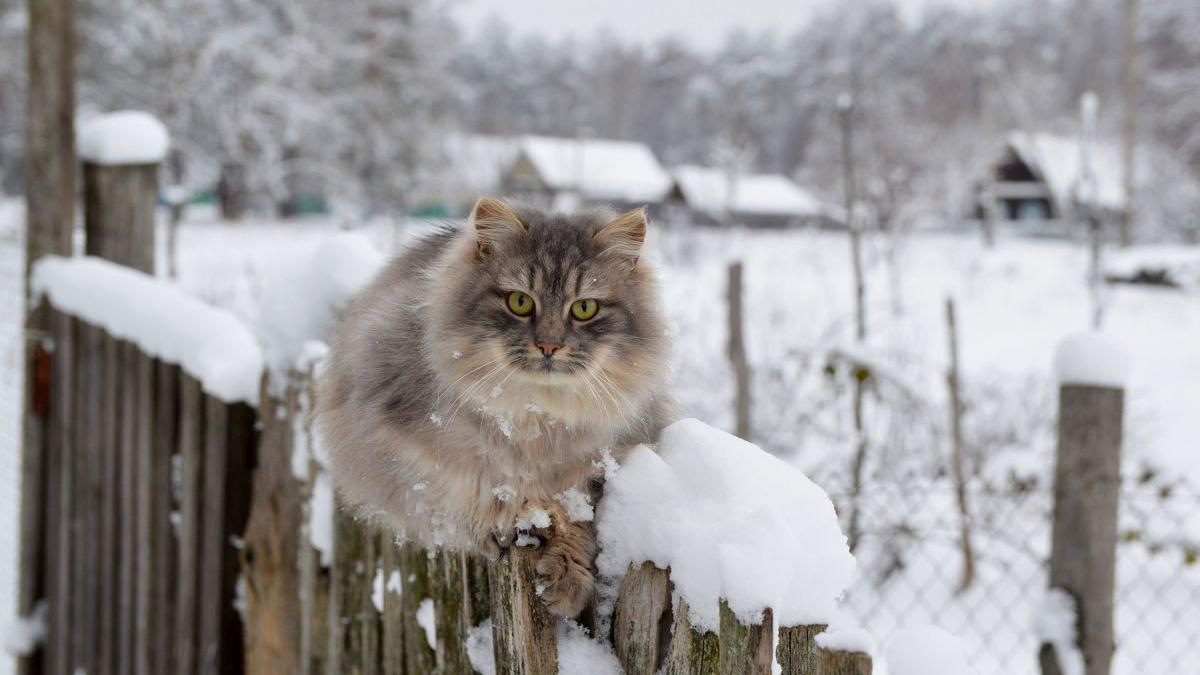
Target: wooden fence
145	495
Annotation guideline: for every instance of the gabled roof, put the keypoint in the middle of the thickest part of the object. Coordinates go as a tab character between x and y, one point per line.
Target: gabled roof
708	190
1058	161
597	169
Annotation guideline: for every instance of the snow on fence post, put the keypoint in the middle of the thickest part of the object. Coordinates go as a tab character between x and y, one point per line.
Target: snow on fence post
121	153
524	640
1091	372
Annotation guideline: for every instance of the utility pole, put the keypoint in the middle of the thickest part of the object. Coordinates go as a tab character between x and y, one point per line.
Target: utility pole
50	220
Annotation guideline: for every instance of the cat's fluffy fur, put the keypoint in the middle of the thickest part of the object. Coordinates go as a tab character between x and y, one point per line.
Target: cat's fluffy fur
443	419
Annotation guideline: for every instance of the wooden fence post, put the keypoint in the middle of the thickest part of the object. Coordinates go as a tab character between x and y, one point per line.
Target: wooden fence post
737	352
745	650
693	652
271	560
642	623
797	650
834	662
523	634
191	520
50	222
1087	478
119	204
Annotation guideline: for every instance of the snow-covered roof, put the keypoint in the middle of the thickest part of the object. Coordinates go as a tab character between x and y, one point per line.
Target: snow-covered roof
597	169
1058	161
707	190
123	138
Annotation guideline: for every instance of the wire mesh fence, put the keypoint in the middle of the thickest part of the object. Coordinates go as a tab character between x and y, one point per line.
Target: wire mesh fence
911	572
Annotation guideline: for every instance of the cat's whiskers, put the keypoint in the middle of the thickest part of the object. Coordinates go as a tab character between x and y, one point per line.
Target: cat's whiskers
492	361
470	392
596	376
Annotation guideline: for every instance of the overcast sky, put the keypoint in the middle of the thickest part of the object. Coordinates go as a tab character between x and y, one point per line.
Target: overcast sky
701	22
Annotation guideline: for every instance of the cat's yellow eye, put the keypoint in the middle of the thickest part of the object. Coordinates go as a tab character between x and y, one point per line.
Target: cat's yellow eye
584	309
520	304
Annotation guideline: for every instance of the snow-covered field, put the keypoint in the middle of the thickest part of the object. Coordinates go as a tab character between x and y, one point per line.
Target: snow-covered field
12	263
1014	304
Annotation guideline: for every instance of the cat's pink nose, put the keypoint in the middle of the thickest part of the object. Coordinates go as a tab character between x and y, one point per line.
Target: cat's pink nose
548	348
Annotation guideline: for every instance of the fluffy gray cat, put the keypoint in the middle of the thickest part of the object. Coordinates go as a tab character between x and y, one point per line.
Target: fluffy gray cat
485	377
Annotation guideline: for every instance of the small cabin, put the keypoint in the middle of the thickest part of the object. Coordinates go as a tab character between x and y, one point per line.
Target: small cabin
716	197
572	172
1037	181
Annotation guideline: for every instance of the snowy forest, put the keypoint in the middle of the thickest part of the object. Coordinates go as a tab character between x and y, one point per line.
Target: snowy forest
926	277
312	96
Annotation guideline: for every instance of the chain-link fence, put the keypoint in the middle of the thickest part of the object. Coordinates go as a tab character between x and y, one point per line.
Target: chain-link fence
912	572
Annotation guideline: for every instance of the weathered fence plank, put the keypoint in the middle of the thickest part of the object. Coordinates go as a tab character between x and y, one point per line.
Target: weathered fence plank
271	569
110	438
833	662
127	508
60	462
449	580
523	635
146	544
745	650
164	560
642	622
350	608
393	608
85	522
693	652
1087	479
797	649
191	505
212	535
419	655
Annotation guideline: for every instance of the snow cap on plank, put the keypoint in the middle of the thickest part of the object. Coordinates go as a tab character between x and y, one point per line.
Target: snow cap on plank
1092	359
123	138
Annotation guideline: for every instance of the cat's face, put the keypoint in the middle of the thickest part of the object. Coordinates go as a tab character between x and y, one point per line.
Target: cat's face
554	300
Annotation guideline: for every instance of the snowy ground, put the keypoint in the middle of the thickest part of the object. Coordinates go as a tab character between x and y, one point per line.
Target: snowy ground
11	307
1014	304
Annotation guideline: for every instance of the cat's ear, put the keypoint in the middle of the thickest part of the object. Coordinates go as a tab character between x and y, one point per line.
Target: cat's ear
625	235
493	221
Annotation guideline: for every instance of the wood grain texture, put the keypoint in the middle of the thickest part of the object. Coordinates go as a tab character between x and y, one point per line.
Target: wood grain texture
843	663
1087	479
118	216
642	621
523	637
745	649
693	652
271	569
191	519
797	649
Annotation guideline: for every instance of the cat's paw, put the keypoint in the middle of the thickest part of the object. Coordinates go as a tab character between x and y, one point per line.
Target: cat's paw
564	582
